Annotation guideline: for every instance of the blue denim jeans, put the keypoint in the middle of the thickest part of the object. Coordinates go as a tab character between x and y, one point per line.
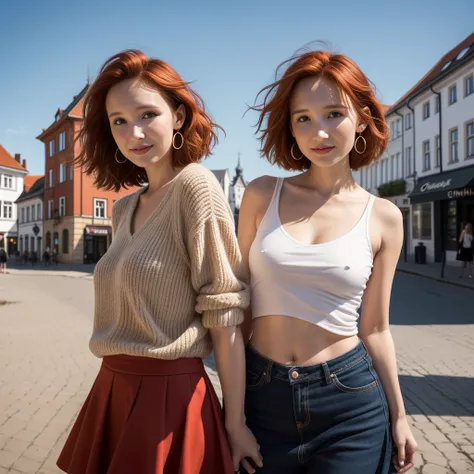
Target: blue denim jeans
330	418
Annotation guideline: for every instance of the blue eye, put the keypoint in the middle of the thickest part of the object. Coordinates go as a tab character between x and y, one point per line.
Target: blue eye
147	115
331	115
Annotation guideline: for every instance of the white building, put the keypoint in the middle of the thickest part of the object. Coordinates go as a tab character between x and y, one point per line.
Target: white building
30	216
233	188
12	174
432	151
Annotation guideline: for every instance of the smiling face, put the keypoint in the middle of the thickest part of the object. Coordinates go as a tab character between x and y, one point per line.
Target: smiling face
142	122
323	121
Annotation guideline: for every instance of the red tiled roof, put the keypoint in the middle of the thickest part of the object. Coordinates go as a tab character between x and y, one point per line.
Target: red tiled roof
433	72
29	181
7	160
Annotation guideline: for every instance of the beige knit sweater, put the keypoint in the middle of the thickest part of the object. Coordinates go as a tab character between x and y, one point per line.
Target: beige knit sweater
158	291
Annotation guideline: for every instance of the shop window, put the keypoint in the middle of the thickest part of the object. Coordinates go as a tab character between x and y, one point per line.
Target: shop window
422	221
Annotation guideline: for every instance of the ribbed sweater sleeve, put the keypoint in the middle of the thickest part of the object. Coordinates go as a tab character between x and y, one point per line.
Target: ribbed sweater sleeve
217	273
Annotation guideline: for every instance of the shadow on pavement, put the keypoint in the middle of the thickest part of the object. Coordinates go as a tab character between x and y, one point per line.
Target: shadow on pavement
438	395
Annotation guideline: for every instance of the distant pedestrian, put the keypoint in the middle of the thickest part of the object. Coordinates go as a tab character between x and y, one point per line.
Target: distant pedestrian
46	257
465	252
3	261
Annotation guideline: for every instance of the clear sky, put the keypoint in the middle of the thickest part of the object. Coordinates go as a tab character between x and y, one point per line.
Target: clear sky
228	49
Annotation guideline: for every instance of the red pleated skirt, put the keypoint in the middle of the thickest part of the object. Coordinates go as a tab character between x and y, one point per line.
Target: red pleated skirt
149	416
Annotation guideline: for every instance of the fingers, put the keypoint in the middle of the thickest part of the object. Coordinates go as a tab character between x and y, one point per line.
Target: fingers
246	465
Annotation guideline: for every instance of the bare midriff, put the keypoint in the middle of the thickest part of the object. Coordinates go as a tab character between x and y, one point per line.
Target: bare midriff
292	341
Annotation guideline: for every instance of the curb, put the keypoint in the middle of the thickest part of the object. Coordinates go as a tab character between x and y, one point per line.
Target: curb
440	280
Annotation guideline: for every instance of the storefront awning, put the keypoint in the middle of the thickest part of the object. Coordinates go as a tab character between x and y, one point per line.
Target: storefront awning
98	229
448	185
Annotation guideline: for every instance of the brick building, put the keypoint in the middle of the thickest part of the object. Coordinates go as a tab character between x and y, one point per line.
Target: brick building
77	215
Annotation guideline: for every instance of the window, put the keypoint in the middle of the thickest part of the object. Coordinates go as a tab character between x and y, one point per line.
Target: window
62	141
71	172
469	85
426	155
386	170
437	104
470	140
421	220
7	181
65	242
376	176
408	121
381	172
392	131
398	173
22	214
33	212
438	151
28	214
453	95
408	170
426	110
51	148
62	206
50	208
100	208
51	178
392	167
39	212
453	146
7	210
398	127
62	173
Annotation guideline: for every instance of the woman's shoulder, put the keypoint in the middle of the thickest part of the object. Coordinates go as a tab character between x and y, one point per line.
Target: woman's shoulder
122	203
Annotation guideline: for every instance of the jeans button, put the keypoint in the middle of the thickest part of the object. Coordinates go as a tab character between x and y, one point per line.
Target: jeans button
294	375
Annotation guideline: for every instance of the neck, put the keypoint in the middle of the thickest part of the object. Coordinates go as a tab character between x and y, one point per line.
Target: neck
160	174
331	180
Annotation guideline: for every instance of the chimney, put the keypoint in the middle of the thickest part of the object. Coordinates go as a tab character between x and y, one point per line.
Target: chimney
24	164
18	157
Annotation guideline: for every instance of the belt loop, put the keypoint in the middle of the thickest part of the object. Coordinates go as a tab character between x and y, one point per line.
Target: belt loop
327	373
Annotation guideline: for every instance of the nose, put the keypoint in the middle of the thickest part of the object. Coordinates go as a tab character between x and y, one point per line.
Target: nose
321	134
137	132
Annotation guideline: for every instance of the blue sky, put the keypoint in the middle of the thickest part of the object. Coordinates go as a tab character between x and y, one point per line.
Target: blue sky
229	49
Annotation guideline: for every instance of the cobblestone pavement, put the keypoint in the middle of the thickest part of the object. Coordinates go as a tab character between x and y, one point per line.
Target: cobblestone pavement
47	369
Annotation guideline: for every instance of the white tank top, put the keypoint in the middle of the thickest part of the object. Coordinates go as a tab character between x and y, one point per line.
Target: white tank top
321	283
467	240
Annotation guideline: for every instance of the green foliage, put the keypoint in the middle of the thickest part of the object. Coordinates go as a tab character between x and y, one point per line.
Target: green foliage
392	188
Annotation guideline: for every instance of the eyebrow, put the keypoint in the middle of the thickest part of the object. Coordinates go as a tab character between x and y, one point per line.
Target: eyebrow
113	114
333	106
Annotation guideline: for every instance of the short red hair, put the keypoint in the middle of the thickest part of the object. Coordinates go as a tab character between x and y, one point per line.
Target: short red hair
275	135
98	146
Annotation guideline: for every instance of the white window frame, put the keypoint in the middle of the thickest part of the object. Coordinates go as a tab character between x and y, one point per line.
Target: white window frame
39	212
71	172
426	155
437	104
7	205
469	85
452	94
50	208
469	140
22	215
408	163
33	213
7	181
426	110
408	121
51	148
62	172
62	141
62	206
96	208
453	146
28	215
51	178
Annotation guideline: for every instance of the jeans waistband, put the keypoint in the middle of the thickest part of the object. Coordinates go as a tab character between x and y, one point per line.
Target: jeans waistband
305	373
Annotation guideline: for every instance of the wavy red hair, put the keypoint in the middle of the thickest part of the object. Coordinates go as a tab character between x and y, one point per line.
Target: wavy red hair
98	146
274	121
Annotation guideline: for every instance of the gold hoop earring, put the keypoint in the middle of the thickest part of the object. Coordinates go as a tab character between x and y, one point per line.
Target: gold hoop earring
364	143
174	139
116	158
293	154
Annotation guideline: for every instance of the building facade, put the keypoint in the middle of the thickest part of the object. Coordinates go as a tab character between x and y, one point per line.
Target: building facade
430	158
30	216
12	174
77	215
